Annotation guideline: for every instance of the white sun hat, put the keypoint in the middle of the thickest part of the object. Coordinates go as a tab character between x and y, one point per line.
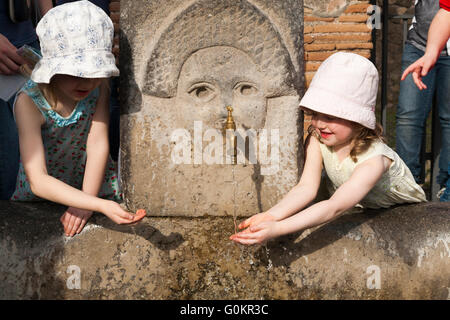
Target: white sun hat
76	39
344	86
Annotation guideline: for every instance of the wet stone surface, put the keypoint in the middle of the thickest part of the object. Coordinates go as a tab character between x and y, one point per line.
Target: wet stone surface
400	253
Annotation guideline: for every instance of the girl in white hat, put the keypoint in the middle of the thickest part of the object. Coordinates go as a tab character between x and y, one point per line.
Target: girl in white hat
345	140
62	118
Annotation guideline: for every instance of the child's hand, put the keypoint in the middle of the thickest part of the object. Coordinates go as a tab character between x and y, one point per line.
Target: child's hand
115	212
74	220
257	234
256	219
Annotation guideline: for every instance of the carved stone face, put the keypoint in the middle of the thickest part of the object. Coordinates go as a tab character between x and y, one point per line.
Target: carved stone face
212	79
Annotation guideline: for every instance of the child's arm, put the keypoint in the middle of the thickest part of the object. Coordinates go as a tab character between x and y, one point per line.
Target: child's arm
97	146
363	179
29	122
97	149
299	196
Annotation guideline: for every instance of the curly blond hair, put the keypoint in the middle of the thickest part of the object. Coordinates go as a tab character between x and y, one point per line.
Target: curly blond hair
362	139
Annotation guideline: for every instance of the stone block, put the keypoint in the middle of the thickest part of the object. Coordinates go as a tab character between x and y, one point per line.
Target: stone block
397	253
186	62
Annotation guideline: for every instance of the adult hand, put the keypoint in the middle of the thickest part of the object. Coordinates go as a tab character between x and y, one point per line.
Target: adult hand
10	61
420	69
74	220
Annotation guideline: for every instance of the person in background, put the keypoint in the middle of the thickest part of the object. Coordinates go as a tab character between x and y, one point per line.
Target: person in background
13	35
438	38
425	46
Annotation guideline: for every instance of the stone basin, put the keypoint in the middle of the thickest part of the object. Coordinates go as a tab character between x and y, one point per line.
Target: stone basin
397	253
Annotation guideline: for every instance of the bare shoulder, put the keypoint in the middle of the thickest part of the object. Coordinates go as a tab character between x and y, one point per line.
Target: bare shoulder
25	110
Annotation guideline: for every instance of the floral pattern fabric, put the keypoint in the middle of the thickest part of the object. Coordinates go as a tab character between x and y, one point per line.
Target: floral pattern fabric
65	147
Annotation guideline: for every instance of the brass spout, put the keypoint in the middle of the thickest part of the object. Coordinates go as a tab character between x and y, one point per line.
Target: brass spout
231	125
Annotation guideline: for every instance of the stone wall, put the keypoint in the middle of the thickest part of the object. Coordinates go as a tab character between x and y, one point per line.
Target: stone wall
186	61
329	26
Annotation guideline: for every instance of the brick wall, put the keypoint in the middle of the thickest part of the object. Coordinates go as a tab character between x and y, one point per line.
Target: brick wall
338	25
329	26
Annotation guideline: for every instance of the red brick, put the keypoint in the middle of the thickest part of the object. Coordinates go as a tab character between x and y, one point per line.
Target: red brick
354	18
318	55
312	66
308	39
308	18
339	37
336	27
357	8
366	45
320	47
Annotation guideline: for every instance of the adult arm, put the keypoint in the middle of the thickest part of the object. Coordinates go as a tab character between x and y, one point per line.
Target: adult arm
10	61
438	35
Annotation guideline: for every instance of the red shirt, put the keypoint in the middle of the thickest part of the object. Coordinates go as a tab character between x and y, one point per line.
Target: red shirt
445	4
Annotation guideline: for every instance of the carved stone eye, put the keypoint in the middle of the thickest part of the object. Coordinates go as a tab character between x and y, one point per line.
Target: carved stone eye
246	89
202	92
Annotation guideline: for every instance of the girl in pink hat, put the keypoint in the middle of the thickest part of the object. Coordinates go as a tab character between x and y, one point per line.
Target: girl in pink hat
346	141
62	118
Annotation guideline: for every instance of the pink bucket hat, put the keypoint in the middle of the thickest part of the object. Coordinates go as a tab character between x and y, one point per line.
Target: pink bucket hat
76	39
344	86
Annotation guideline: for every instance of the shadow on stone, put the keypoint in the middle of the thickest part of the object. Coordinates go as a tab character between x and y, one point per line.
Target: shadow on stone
321	237
144	230
31	245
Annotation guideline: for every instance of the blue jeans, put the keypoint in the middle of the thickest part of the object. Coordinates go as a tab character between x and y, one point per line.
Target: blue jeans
9	147
413	109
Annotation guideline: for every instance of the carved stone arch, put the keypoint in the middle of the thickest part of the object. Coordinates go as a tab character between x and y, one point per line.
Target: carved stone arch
208	23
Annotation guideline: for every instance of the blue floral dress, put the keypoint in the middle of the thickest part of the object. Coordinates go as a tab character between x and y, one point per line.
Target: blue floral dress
65	147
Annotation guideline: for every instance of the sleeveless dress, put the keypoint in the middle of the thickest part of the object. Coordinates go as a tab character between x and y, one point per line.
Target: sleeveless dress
396	185
64	142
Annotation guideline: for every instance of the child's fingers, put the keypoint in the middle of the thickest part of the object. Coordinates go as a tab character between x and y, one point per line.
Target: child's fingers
140	214
74	224
247	241
244	224
82	224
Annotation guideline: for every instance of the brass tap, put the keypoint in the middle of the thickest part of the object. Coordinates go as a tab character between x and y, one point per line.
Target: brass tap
231	125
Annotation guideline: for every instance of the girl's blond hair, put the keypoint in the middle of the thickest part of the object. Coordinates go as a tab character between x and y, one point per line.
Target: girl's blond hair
362	139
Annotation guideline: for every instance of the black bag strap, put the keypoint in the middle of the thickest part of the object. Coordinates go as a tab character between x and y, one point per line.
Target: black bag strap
19	10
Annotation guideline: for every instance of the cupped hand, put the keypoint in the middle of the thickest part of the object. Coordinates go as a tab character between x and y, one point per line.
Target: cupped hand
256	219
74	220
120	216
257	234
